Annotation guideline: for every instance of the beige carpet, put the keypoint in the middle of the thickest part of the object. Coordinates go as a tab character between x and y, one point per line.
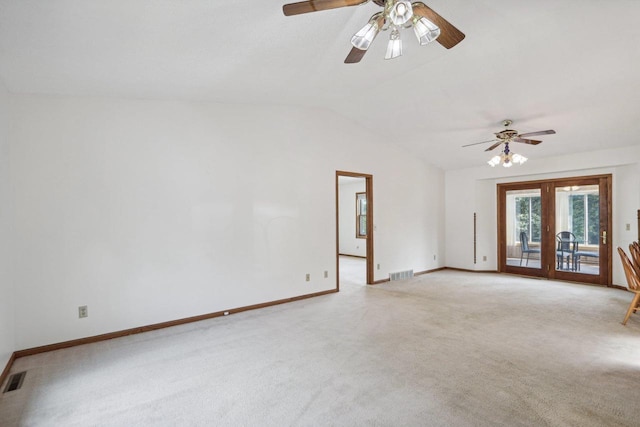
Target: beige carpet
353	271
444	349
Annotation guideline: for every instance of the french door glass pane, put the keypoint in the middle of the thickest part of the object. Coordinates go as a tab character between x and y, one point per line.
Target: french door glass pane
578	229
523	228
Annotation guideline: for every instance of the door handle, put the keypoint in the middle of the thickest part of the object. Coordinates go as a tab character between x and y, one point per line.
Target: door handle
604	237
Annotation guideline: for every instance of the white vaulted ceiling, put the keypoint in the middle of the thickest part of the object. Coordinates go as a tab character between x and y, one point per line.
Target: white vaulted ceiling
568	65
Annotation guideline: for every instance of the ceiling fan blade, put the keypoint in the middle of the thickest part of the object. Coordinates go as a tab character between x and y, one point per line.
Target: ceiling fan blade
527	141
493	146
540	132
354	56
449	35
477	143
316	5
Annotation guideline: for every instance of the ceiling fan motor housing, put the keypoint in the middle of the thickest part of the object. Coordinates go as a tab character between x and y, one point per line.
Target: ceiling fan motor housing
507	134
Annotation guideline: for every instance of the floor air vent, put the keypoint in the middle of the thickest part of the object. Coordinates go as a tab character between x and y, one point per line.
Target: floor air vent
401	275
15	381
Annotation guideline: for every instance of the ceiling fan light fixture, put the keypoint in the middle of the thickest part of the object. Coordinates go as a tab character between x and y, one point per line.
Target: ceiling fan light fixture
400	12
425	30
363	38
395	14
518	158
394	48
494	161
507	158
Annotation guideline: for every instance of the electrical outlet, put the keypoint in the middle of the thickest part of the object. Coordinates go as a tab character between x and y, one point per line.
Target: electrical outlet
83	311
326	274
434	257
308	277
378	266
628	227
484	258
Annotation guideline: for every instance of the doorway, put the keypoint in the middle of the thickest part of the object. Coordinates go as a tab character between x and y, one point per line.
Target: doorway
556	229
354	219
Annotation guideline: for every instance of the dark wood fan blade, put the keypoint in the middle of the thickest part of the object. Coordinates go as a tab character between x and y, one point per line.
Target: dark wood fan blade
477	143
527	141
354	56
316	5
540	132
493	146
449	35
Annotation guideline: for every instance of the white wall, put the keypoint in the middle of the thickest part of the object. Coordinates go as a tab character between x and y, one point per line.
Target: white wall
149	211
474	190
7	295
410	218
349	244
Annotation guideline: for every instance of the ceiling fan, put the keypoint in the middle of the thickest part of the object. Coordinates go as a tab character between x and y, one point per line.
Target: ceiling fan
509	135
396	15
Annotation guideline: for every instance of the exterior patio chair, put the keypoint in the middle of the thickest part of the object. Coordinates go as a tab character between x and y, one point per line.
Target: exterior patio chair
525	249
567	248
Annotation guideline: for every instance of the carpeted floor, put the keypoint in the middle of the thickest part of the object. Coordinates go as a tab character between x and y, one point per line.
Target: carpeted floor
443	349
353	271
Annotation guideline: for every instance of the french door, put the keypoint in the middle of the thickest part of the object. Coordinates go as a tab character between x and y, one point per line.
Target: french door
557	229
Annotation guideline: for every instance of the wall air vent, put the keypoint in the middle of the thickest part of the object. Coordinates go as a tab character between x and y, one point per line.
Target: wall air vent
15	381
400	275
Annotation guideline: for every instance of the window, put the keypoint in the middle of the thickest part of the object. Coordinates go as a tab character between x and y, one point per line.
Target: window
361	215
528	216
584	213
